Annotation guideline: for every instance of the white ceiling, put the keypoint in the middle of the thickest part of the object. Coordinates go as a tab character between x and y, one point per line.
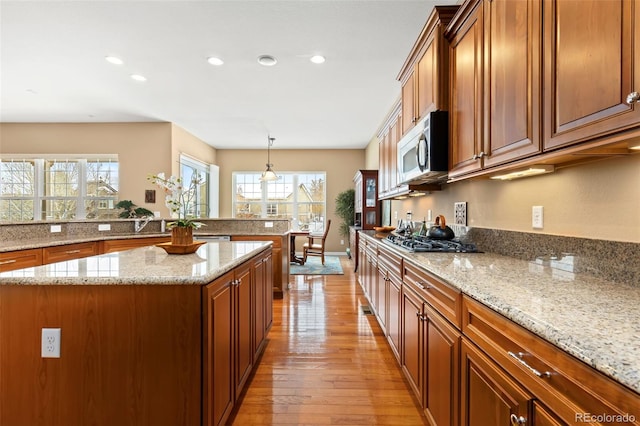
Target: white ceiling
53	68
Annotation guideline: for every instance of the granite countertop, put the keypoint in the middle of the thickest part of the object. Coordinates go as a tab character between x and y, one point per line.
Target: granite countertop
146	265
59	240
593	319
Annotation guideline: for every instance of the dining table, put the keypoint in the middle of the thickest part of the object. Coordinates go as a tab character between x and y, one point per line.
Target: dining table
292	245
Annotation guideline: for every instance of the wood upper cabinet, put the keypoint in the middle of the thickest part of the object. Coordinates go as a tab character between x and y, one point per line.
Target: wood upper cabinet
388	185
495	65
592	63
466	103
512	80
424	75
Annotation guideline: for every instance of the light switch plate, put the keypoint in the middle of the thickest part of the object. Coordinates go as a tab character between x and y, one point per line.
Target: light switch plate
537	217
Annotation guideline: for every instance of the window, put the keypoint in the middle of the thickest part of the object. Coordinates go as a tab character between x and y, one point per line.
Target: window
188	169
53	188
298	195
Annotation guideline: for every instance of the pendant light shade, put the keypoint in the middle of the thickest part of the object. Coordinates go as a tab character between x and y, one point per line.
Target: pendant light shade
269	175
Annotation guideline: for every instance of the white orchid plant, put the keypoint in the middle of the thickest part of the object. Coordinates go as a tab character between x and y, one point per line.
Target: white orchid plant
179	198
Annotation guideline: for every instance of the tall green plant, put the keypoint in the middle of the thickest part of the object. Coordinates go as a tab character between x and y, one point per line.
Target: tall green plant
345	210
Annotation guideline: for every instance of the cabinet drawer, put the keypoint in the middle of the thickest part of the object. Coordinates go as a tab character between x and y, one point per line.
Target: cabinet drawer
13	260
110	246
277	241
69	252
391	261
561	382
445	299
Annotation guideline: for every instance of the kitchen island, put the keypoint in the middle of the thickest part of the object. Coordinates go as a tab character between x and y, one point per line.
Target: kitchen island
147	338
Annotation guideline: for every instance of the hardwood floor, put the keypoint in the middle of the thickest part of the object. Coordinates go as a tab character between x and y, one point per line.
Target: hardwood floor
327	363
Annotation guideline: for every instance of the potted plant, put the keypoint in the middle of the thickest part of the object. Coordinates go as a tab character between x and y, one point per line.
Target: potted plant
345	210
179	199
131	211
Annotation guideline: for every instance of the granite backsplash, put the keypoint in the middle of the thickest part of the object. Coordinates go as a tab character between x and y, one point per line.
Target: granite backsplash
610	260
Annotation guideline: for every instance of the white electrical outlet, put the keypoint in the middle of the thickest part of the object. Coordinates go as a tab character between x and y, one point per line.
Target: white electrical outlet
56	228
341	242
104	227
460	213
51	343
429	215
537	217
268	224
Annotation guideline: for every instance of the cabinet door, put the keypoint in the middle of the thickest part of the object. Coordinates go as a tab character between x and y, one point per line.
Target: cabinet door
466	95
268	313
408	103
512	80
259	303
394	319
488	395
592	51
382	282
243	325
218	351
543	417
412	340
442	361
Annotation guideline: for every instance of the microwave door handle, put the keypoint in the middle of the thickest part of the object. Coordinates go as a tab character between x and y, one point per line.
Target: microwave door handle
421	148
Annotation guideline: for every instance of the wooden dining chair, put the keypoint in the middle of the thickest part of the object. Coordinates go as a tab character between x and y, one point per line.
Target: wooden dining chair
315	245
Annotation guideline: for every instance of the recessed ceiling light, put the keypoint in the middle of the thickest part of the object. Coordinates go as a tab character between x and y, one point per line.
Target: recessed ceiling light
267	60
215	61
138	77
318	59
114	60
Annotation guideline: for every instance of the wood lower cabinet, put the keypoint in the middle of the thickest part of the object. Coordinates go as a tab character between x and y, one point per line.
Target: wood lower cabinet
263	301
69	252
218	372
430	361
586	88
562	386
110	246
19	259
280	262
488	395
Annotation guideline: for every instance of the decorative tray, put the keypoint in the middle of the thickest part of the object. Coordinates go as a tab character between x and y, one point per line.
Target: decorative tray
180	249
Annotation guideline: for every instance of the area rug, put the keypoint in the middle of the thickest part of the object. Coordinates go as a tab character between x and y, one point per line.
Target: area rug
313	266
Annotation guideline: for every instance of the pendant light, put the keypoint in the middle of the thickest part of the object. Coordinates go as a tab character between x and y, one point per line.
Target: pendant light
269	175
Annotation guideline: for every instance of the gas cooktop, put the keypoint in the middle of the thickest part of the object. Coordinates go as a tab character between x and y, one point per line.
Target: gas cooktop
418	243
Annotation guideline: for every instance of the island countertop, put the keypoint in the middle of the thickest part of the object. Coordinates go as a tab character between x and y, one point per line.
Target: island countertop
593	319
147	265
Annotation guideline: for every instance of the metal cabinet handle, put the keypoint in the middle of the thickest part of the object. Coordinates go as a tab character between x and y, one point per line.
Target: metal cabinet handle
516	421
72	251
633	97
6	262
518	357
423	286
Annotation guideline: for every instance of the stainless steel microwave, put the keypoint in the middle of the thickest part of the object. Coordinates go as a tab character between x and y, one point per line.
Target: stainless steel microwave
423	153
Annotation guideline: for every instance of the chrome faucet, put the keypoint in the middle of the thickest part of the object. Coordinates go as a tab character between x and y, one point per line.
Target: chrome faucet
139	225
